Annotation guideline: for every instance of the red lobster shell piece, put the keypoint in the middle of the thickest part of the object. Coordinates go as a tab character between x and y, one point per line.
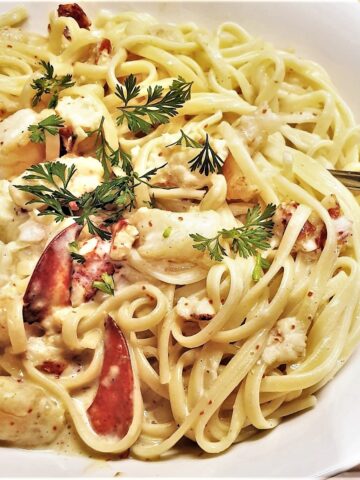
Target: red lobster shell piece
111	412
49	285
74	11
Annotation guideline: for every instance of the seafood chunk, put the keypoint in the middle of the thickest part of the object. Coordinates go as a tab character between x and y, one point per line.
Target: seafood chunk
74	11
194	309
175	243
238	188
286	342
49	285
17	152
28	416
124	235
111	412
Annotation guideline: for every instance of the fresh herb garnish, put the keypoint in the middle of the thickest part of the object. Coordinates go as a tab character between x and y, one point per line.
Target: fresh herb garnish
186	141
260	265
246	240
110	199
106	285
212	245
105	153
74	252
50	124
152	202
157	109
50	83
167	232
207	161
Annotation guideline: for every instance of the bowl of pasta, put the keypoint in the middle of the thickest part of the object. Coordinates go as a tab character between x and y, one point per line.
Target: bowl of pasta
179	239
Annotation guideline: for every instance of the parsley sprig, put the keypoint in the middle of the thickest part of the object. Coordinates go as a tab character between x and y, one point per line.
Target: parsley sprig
186	141
207	161
244	241
261	264
105	153
157	110
108	200
50	124
50	84
74	252
106	284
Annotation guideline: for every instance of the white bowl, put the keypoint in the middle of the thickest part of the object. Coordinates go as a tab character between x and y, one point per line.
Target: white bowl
326	439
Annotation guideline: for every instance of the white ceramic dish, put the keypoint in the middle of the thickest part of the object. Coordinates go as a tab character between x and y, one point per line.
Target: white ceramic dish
320	442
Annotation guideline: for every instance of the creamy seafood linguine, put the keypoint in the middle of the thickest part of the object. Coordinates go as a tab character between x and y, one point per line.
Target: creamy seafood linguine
175	258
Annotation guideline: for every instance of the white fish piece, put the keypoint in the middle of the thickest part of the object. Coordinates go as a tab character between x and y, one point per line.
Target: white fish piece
17	152
166	235
28	416
82	114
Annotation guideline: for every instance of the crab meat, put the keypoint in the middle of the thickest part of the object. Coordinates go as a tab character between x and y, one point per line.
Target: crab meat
28	416
238	187
74	11
313	234
123	238
49	284
286	342
111	412
194	309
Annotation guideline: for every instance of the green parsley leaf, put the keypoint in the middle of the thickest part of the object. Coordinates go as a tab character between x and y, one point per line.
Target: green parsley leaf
167	232
77	257
261	264
186	141
106	285
50	84
207	161
244	241
74	252
156	110
212	245
107	155
50	124
152	202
